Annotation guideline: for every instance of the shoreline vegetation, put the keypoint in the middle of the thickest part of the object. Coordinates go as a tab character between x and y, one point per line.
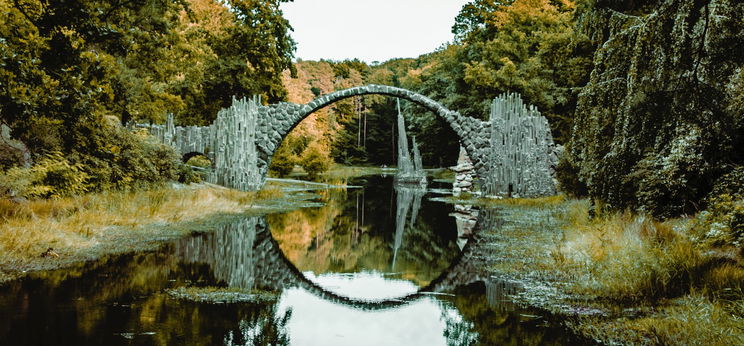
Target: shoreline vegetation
617	277
87	227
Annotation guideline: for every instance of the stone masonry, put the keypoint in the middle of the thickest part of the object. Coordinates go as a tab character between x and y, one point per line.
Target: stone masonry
273	122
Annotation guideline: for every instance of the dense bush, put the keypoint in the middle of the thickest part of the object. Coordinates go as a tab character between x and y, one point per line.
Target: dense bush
130	160
199	161
127	160
53	176
187	175
314	161
659	122
9	156
283	161
722	224
566	173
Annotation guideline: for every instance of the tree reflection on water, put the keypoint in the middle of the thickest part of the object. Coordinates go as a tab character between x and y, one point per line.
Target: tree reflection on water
377	229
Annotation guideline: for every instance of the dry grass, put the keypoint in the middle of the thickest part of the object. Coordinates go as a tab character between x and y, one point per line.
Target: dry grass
338	171
692	320
656	285
76	223
629	257
540	202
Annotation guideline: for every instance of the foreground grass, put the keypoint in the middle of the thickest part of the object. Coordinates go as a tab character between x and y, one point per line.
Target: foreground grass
73	226
624	277
690	293
690	320
629	258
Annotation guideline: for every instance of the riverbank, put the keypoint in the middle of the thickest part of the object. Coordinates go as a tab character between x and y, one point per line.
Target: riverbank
619	278
87	227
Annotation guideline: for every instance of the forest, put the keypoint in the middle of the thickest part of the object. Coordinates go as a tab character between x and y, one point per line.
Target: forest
645	98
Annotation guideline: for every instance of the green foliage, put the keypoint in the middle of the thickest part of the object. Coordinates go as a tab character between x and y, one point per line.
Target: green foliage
527	46
130	159
283	161
300	150
315	160
199	161
658	142
722	223
566	173
52	177
634	7
187	175
316	91
9	156
68	67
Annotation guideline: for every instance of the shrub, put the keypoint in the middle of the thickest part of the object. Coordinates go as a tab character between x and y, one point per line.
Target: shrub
315	160
186	175
9	156
199	161
53	176
567	175
283	161
130	159
722	224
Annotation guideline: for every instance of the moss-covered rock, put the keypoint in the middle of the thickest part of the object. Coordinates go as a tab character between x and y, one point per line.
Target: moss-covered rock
661	118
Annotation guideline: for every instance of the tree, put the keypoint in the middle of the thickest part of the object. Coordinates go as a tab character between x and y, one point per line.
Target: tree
67	69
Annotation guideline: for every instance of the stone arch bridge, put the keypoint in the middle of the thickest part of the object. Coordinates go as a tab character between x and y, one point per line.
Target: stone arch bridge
244	138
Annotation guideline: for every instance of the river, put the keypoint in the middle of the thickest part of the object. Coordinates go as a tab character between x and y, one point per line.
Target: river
376	265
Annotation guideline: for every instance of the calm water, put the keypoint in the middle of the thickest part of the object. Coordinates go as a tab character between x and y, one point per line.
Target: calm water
348	273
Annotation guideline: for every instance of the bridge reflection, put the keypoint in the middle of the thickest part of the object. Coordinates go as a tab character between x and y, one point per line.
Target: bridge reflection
243	254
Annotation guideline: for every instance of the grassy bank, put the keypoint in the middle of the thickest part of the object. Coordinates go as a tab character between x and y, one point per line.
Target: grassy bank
620	277
88	226
688	293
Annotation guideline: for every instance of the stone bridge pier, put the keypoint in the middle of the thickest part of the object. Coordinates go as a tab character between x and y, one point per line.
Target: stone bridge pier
512	152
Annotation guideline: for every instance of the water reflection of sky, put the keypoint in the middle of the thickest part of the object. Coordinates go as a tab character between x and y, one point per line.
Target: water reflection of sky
316	321
373	286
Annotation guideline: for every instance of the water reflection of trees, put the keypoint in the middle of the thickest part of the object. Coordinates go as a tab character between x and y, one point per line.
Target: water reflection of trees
356	230
121	297
470	319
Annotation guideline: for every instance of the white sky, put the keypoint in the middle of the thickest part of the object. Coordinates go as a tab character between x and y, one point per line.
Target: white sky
370	30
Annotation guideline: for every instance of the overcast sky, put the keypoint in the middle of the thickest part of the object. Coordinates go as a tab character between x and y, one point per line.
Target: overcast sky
370	30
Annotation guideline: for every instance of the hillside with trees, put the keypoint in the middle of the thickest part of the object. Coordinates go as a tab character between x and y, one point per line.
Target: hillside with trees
72	72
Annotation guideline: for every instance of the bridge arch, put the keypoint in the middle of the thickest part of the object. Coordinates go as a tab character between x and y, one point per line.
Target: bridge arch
473	133
514	146
191	154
